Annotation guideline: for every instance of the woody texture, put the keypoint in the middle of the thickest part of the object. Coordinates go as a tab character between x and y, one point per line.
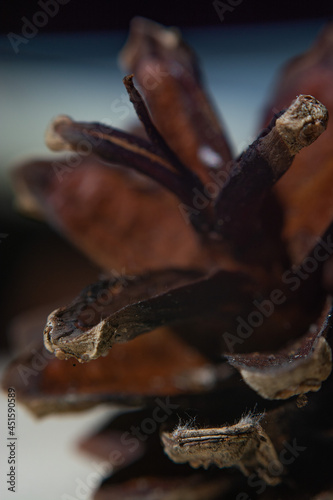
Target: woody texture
218	335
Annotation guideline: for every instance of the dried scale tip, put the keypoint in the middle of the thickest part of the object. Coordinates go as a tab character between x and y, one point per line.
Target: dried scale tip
156	299
53	136
245	445
306	362
264	162
282	382
116	147
250	178
154	159
303	122
87	329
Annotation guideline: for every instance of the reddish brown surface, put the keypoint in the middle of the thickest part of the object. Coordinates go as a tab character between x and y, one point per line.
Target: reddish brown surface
126	221
120	219
306	190
169	77
149	365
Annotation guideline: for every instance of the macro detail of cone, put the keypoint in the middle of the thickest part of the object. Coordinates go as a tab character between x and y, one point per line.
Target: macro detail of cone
215	267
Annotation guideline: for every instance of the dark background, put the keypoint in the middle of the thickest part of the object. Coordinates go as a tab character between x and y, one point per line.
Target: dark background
84	15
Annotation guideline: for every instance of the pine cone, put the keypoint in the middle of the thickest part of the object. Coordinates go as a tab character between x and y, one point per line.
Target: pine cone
228	272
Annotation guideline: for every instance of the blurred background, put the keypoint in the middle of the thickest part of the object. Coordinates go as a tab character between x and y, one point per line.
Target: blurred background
69	66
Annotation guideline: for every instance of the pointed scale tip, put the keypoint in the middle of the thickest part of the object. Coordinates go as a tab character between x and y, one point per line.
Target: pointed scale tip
53	139
303	122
